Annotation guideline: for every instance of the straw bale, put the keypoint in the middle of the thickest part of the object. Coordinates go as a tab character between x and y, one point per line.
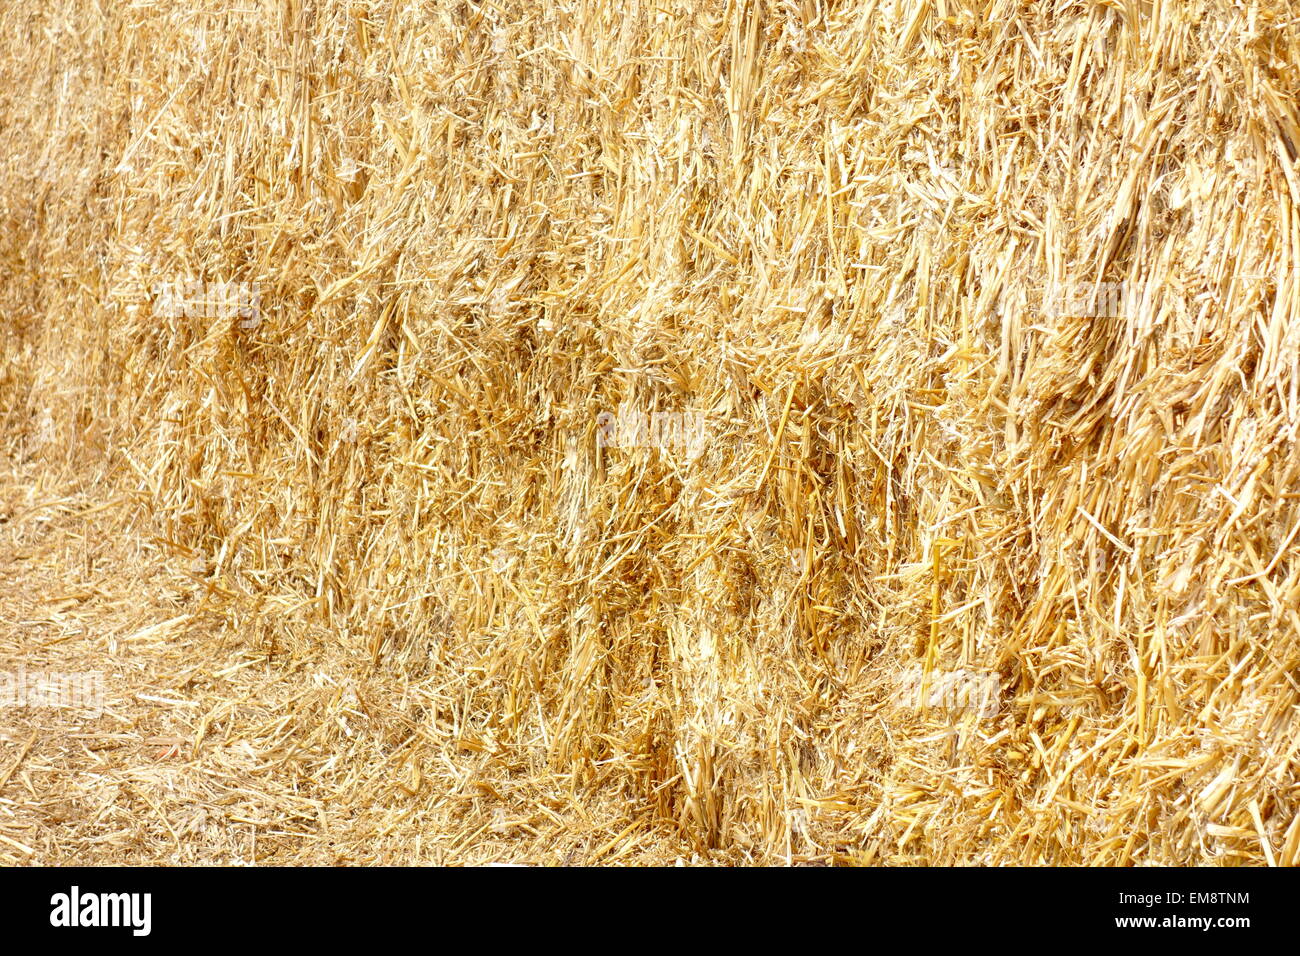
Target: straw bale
572	431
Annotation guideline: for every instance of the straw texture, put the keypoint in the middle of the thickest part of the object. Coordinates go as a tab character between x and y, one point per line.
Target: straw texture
367	576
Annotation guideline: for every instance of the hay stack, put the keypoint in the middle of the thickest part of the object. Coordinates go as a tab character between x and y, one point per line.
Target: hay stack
836	232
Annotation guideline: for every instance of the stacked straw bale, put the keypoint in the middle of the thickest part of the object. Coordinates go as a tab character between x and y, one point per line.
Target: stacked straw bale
830	238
